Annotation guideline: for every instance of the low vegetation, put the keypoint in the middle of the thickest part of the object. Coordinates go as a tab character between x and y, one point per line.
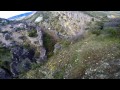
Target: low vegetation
49	43
72	62
32	33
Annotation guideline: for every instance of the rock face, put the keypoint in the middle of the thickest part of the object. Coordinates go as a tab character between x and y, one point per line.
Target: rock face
42	49
67	23
17	68
14	36
4	74
19	53
21	59
39	19
43	54
40	36
104	70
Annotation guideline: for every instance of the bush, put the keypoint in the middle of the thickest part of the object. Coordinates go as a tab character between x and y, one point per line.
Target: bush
97	32
32	33
49	43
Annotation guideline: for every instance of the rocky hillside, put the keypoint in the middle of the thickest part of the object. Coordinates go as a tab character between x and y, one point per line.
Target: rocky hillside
66	24
21	44
60	45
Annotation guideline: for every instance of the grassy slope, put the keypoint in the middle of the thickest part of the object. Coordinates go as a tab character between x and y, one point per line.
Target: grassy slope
72	62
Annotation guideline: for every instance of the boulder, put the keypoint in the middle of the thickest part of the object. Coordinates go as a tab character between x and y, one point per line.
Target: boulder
39	19
7	36
43	56
57	47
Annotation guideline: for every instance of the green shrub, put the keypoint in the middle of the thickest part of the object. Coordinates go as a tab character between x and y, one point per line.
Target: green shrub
97	32
32	33
49	43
